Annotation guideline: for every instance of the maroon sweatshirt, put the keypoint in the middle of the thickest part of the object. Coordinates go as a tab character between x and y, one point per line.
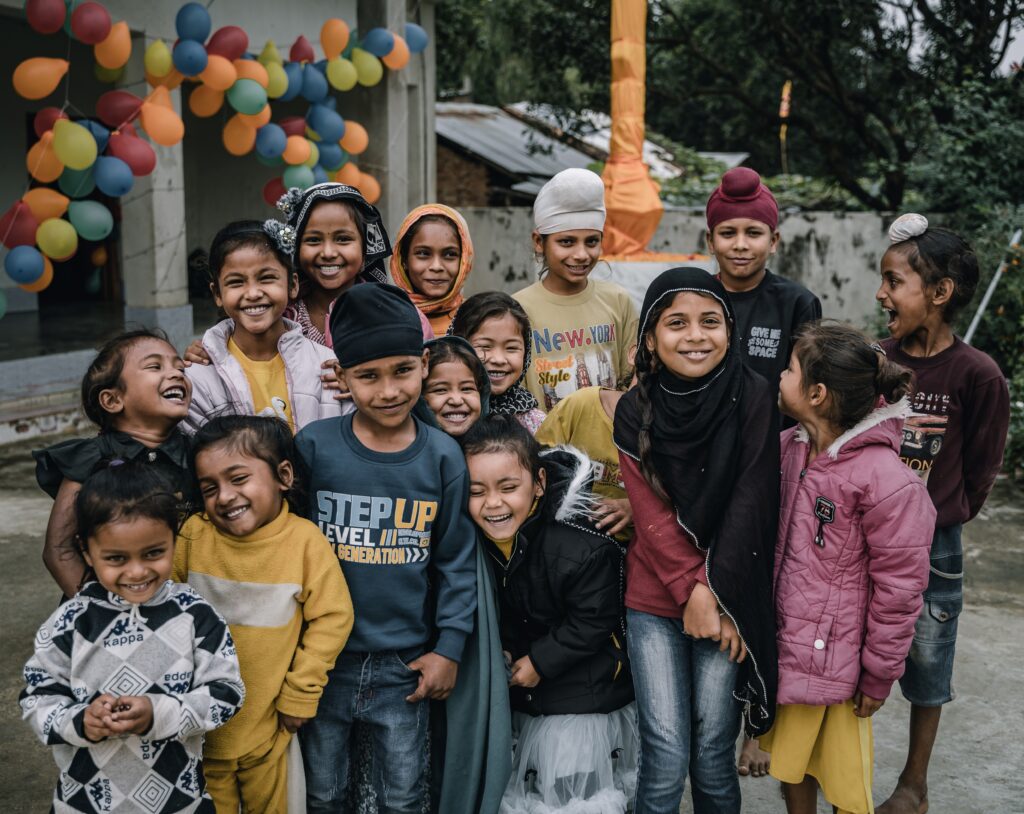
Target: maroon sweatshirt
956	438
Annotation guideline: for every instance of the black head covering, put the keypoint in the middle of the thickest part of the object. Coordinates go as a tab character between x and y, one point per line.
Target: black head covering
373	321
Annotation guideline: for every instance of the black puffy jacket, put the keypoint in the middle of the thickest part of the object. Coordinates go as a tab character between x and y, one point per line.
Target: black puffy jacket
560	599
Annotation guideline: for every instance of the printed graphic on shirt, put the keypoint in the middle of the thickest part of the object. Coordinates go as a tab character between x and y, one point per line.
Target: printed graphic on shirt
376	530
608	473
924	431
278	408
590	362
764	342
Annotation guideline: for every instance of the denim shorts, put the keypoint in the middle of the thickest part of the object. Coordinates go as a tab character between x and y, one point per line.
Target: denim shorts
928	678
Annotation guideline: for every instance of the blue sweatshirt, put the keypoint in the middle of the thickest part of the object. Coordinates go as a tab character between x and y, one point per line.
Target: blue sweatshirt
397	522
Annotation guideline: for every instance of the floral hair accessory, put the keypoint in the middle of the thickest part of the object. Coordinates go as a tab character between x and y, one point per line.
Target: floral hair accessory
282	234
907	226
288	202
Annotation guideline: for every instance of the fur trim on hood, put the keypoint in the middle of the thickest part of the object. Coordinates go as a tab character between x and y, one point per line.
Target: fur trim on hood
570	475
901	409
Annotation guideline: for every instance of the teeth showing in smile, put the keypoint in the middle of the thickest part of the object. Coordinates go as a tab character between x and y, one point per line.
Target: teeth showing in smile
697	355
499	519
456	418
137	587
496	375
174	393
234	514
255	310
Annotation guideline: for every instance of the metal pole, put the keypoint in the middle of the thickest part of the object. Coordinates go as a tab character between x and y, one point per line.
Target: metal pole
989	291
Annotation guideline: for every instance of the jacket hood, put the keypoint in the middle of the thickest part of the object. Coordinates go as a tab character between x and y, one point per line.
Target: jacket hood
570	475
883	425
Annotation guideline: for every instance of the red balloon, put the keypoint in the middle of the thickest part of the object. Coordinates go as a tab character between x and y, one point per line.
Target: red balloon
46	16
18	226
229	42
272	190
302	51
46	118
90	23
128	129
293	126
117	106
134	152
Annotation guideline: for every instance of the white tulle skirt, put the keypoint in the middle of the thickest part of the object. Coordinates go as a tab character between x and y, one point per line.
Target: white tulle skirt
573	764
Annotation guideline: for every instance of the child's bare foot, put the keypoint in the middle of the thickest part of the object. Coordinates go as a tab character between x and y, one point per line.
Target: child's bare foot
753	760
905	799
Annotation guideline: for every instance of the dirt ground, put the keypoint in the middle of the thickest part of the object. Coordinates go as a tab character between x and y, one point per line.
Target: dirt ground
976	768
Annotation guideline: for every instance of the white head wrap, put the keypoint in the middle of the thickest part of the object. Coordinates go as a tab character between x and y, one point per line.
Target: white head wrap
573	199
907	226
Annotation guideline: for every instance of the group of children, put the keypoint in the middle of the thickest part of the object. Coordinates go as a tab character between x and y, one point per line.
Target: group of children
512	554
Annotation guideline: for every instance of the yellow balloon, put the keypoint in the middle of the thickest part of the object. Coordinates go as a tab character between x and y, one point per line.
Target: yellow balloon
312	135
157	59
116	49
46	203
368	67
74	145
342	74
277	80
39	76
270	55
57	238
44	281
314	156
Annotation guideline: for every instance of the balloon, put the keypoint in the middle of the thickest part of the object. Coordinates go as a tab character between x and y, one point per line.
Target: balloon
170	80
355	139
160	96
270	55
277	80
314	156
44	280
133	151
258	119
270	162
38	77
219	73
368	67
348	174
399	56
311	134
297	150
57	238
319	174
90	23
314	84
73	144
272	190
193	22
331	156
113	176
157	59
334	37
251	69
271	140
369	186
328	124
204	101
189	57
46	16
107	75
298	176
238	137
416	38
77	183
91	219
45	119
341	73
45	203
115	107
100	133
18	226
116	49
293	70
246	96
301	51
164	126
229	42
293	125
24	264
378	41
42	161
99	256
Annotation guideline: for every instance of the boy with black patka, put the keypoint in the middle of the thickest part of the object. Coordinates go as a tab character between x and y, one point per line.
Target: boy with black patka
390	494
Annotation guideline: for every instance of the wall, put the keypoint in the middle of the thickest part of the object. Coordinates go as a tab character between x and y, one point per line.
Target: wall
460	182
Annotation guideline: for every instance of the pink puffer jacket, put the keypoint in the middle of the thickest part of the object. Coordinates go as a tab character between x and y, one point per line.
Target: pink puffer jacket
851	562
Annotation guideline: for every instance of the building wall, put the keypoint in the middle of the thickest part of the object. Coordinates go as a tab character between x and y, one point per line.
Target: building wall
460	182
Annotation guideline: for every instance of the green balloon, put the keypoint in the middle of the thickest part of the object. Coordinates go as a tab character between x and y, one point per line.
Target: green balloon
299	176
76	183
276	161
246	96
91	219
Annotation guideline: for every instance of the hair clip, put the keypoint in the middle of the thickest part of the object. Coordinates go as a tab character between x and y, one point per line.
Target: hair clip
289	202
282	234
878	348
115	462
907	226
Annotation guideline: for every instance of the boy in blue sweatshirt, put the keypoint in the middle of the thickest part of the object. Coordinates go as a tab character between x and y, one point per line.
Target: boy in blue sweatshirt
390	494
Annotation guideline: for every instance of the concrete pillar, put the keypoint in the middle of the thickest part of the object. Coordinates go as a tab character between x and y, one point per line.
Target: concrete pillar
154	259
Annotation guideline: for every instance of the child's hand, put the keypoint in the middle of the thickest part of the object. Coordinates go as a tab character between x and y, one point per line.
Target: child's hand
196	354
524	674
864	706
731	640
700	616
331	379
92	722
437	677
131	715
614	515
289	723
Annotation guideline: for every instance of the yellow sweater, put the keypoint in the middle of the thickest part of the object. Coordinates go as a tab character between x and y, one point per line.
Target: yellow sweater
288	608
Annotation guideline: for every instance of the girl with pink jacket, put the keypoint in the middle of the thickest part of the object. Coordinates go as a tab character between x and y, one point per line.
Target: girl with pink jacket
850	566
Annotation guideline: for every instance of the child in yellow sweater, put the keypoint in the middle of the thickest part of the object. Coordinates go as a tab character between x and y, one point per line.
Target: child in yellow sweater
276	581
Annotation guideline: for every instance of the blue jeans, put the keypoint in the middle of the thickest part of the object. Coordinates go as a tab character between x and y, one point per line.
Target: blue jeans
689	719
368	687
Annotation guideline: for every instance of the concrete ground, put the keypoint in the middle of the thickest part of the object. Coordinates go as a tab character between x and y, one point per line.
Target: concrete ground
976	768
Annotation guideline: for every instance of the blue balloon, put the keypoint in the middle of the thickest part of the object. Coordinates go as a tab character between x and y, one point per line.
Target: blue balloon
271	140
77	183
320	174
99	132
189	57
321	66
331	102
24	264
113	176
314	84
192	23
327	123
378	41
293	70
416	38
332	157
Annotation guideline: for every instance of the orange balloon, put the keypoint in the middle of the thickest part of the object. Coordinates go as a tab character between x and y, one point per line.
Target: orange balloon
44	280
116	49
99	256
46	203
161	96
219	73
251	69
163	126
348	174
256	119
297	150
368	185
334	37
42	161
205	101
399	56
355	139
170	81
39	76
239	138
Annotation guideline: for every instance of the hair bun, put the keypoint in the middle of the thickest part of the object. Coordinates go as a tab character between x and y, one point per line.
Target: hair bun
907	226
741	184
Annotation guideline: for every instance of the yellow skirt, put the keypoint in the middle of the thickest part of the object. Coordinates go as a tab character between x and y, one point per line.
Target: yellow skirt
829	743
